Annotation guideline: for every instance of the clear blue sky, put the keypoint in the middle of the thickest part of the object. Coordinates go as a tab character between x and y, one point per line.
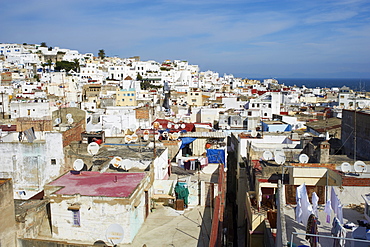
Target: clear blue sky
247	38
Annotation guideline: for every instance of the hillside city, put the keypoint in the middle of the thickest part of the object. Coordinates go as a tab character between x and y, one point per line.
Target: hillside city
109	151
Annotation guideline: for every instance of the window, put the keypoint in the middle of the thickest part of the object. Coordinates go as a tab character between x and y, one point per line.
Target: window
76	217
53	161
269	105
193	100
253	105
123	99
249	113
28	112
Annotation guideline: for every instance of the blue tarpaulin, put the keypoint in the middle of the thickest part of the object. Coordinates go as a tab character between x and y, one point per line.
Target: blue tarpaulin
186	141
216	156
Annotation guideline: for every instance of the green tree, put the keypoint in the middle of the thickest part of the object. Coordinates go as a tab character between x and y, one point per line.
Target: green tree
77	65
101	54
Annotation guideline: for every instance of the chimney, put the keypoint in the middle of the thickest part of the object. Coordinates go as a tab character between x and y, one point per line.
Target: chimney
324	152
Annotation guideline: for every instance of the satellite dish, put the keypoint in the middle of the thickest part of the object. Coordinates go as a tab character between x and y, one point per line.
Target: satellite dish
156	136
175	136
114	234
279	158
160	126
303	158
146	132
361	104
146	137
134	137
78	164
70	120
69	115
128	138
322	135
254	133
267	155
176	126
183	126
169	125
93	148
57	121
165	134
360	166
306	135
116	162
345	167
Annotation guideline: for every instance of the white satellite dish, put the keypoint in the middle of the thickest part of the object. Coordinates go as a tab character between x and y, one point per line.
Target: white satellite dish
322	135
345	167
176	126
361	104
146	137
175	136
277	151
134	137
116	162
279	158
114	234
156	136
128	138
57	121
303	158
69	115
169	125
70	120
360	166
78	164
254	133
306	135
93	148
165	134
183	126
267	155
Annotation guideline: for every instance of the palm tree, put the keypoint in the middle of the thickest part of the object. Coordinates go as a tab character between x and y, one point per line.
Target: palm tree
77	65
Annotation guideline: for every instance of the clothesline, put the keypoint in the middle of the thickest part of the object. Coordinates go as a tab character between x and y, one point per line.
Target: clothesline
325	236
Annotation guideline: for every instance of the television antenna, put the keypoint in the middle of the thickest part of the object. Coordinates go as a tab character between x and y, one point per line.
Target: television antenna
78	165
345	167
69	115
303	158
70	120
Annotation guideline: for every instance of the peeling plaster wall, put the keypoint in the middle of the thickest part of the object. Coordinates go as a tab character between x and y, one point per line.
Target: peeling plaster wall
30	164
96	215
7	225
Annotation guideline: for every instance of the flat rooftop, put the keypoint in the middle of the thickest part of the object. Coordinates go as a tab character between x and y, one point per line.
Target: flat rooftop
89	183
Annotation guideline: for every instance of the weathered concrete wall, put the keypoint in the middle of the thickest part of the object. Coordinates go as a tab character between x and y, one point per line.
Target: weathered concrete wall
30	216
32	165
97	214
7	215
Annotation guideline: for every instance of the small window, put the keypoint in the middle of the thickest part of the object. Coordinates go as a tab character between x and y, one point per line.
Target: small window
249	113
53	161
76	217
193	100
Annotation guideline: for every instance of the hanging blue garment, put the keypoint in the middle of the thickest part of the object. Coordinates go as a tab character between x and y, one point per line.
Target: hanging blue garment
216	156
186	141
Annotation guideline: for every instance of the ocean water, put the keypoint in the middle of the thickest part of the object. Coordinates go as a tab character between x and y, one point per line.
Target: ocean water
358	84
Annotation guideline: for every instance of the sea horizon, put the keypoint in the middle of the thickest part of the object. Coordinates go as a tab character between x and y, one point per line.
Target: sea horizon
358	84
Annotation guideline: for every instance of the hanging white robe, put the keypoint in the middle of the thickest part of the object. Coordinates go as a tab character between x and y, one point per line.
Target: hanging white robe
315	203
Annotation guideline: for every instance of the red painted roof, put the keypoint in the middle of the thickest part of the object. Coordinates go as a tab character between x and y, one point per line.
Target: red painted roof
89	183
